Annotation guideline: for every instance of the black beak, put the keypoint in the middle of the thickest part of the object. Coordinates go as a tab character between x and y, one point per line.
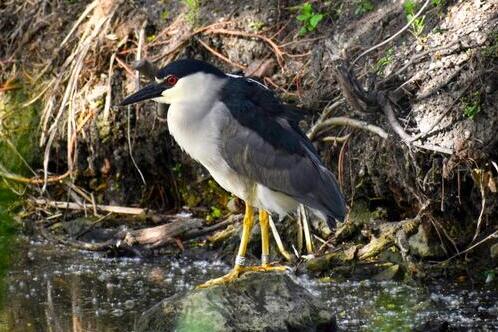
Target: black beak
150	91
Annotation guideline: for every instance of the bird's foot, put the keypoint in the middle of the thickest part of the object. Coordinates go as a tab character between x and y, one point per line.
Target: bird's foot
239	270
227	278
267	268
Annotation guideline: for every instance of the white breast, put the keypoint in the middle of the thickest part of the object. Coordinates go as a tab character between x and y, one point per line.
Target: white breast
197	132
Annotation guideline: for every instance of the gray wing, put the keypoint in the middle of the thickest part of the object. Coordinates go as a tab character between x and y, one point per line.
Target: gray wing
269	148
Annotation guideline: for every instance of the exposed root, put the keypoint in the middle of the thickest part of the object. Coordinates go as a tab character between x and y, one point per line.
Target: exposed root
221	56
398	129
344	121
480	177
472	247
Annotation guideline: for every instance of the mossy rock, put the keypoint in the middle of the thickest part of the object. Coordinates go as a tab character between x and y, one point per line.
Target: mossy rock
255	302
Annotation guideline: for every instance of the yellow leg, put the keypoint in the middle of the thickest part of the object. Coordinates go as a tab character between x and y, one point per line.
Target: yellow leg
238	268
264	224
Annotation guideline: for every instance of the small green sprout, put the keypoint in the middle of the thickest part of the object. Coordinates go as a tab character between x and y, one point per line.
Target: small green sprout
256	25
309	18
215	213
363	7
472	105
491	51
384	61
165	15
438	3
418	25
193	8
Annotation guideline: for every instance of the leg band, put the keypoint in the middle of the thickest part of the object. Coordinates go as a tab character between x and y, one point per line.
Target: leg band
240	260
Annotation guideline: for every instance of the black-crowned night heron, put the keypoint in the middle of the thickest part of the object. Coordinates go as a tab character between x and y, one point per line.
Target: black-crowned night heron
249	142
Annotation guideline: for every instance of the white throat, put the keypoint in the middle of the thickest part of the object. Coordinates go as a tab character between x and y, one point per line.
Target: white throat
193	118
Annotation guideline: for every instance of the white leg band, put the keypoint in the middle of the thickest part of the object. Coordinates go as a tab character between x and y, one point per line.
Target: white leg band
240	260
265	259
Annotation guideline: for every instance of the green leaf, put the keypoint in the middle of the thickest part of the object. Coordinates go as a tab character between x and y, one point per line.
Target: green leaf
303	31
409	6
307	9
302	18
215	212
315	20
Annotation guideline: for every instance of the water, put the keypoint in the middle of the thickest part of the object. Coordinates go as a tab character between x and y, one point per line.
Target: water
53	288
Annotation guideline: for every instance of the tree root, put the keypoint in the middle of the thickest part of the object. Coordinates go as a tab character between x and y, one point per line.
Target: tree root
389	233
362	100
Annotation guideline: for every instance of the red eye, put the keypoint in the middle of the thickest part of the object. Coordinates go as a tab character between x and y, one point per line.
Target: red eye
171	80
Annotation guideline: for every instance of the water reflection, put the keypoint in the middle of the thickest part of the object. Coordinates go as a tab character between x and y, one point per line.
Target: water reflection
51	288
56	289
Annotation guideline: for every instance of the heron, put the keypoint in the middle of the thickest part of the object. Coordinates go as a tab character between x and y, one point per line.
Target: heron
251	144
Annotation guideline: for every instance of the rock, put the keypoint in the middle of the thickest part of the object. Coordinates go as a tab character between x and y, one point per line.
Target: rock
393	272
233	205
421	244
255	302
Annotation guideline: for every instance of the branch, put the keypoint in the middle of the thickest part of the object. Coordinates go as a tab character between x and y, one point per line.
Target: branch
14	177
80	207
344	121
147	238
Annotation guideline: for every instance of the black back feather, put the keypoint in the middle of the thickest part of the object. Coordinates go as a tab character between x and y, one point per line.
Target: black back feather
264	143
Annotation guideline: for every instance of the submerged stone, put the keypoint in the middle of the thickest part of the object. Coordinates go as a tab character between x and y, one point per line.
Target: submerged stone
393	272
255	302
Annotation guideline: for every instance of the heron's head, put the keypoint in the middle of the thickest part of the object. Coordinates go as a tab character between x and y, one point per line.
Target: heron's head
178	81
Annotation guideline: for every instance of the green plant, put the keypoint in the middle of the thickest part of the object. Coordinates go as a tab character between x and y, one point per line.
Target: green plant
256	25
418	25
438	3
165	15
384	61
309	18
193	8
472	105
363	7
491	51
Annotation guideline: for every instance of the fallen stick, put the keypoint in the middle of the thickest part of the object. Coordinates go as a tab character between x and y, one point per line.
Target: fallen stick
82	207
148	238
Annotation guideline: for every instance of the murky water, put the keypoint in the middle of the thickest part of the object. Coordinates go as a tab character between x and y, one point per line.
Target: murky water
52	288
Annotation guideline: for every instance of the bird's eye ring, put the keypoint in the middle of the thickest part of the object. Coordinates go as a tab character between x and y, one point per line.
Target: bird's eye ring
171	80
